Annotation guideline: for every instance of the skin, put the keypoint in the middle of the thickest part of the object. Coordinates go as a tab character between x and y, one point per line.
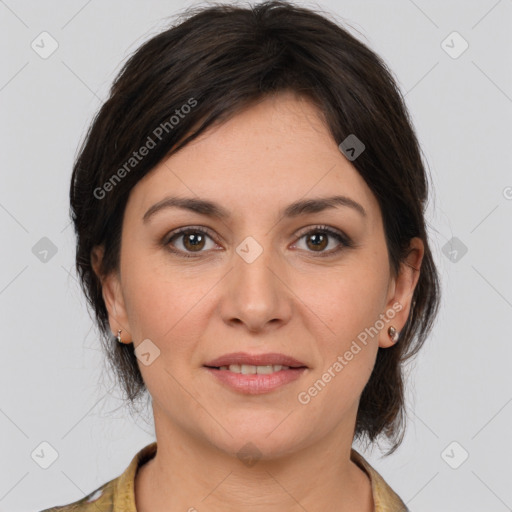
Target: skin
289	300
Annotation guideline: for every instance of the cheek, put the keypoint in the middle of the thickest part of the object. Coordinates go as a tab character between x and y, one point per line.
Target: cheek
342	311
350	306
345	301
165	305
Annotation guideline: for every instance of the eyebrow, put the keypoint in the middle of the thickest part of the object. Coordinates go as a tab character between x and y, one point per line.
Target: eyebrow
212	209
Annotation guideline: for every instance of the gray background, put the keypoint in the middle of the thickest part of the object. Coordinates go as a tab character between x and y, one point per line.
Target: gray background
53	384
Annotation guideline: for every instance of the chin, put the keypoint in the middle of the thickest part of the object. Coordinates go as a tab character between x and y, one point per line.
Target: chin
261	438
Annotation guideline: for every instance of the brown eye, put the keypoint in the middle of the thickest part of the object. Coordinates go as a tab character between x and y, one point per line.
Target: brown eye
319	241
189	240
193	241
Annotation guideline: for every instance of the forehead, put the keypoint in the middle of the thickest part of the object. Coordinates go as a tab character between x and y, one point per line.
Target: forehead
271	154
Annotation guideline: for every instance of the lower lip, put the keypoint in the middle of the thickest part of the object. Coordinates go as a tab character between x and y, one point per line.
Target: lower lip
258	383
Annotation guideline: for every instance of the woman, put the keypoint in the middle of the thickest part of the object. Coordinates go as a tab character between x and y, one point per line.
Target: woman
249	210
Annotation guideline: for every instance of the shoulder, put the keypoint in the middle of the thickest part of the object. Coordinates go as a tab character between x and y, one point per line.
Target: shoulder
384	497
117	495
101	499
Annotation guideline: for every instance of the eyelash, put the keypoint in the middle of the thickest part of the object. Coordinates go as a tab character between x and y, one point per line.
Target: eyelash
344	240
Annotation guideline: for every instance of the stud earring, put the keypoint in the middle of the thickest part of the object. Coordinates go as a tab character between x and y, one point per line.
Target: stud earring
118	337
393	334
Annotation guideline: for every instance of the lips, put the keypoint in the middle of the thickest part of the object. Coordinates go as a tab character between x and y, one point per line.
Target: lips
255	360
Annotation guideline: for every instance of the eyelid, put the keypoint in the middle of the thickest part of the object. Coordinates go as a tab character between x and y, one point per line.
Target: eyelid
322	227
185	229
344	240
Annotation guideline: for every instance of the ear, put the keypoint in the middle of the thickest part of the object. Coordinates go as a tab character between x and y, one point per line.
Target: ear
401	290
112	295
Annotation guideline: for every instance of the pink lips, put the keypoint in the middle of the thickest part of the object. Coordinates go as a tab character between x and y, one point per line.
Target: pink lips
257	383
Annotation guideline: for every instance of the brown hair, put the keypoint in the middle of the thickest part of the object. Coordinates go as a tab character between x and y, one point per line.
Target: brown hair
220	59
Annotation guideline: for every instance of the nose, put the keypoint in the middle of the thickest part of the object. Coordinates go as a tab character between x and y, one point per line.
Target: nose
256	294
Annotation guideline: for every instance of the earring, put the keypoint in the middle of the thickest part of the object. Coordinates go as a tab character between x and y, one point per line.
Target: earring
393	334
118	337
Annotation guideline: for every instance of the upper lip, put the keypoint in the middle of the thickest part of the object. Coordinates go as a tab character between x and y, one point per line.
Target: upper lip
255	359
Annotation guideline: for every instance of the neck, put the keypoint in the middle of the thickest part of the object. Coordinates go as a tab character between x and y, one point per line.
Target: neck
190	475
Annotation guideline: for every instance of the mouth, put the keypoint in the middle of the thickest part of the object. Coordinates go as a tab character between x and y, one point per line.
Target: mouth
250	369
257	373
242	362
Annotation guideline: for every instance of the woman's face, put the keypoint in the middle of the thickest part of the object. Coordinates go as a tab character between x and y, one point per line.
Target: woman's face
265	278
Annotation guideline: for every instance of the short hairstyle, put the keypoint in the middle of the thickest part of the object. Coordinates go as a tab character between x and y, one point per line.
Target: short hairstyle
219	60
